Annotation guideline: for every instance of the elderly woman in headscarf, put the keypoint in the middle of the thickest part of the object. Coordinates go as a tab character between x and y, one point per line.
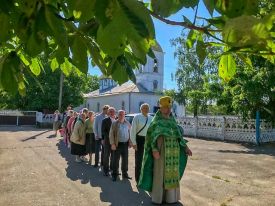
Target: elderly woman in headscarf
165	156
78	139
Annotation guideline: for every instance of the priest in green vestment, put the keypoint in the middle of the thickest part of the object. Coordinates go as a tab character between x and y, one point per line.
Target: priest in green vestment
165	156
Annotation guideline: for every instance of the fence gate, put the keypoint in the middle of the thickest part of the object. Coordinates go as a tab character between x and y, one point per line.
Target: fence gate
17	118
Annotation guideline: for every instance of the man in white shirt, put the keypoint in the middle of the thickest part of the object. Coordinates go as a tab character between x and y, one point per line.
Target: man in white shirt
138	132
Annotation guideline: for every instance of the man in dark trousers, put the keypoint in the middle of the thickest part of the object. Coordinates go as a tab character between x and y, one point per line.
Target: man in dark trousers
98	136
119	139
105	130
139	129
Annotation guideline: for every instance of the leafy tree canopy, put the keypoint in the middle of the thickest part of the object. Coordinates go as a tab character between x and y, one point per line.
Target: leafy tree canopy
196	80
42	92
253	89
116	35
199	88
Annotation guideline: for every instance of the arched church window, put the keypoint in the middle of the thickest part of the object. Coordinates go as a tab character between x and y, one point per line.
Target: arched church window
105	82
88	106
155	68
123	105
141	69
155	84
98	107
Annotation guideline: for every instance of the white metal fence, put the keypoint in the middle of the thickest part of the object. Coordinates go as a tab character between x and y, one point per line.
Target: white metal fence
226	128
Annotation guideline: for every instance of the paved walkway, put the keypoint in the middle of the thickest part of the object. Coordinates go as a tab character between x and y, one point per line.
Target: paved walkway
36	169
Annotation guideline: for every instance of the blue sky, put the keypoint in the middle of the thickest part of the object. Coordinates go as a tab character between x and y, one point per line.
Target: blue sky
164	33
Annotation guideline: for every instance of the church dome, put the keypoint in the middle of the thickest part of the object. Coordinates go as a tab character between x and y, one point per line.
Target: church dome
106	83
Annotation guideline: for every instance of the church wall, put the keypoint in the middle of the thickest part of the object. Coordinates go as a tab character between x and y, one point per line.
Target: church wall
138	98
152	100
112	100
135	99
147	80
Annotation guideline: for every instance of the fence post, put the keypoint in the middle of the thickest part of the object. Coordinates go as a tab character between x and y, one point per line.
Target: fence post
258	132
223	128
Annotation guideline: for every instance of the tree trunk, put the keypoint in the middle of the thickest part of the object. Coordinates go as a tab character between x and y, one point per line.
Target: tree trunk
195	109
60	90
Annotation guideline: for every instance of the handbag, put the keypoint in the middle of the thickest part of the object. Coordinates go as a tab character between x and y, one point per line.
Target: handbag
142	127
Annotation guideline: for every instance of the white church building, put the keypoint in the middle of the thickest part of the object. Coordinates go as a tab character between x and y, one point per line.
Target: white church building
129	96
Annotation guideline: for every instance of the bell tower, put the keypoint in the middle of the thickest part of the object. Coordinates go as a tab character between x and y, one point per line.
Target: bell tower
150	75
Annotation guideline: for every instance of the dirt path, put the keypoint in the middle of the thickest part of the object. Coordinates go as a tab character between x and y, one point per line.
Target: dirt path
36	169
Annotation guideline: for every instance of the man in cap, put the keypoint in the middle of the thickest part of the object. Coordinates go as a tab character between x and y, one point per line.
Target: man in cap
165	156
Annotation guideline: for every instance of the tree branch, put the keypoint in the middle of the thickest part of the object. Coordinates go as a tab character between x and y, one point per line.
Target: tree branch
195	18
63	18
184	24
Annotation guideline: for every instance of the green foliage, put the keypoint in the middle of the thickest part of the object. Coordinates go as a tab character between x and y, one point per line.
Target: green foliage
79	51
116	35
253	89
9	69
69	33
233	9
243	31
167	7
175	95
227	67
246	31
44	93
194	76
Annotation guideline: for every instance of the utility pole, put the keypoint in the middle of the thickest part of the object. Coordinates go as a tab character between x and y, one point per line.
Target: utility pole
60	90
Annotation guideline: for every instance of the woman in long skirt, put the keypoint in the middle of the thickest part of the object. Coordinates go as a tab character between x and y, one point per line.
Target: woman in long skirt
90	136
78	139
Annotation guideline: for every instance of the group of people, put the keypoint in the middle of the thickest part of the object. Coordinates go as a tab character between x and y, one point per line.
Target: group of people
160	150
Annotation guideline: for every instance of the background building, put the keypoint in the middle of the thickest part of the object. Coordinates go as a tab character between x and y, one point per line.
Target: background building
129	96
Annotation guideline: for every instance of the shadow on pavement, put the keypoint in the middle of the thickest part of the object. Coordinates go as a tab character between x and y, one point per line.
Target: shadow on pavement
34	136
266	149
51	136
14	128
117	193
